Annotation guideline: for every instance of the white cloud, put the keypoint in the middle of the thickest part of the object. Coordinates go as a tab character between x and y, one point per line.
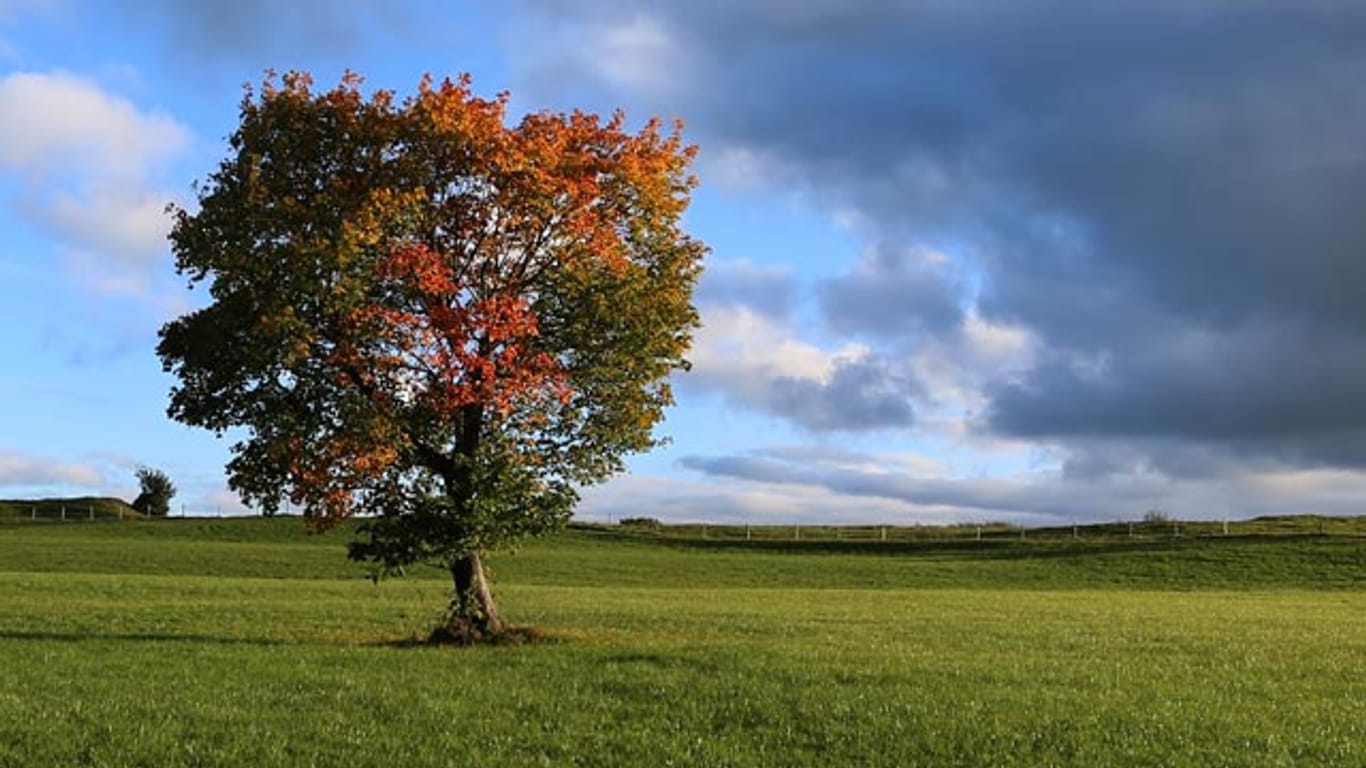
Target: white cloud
26	470
999	345
130	224
760	365
727	501
738	345
635	53
740	167
59	122
88	161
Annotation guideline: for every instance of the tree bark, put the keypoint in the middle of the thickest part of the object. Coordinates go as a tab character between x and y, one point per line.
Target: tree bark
474	616
472	605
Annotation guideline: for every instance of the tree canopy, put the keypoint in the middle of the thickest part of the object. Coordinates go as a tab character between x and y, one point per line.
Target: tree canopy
426	314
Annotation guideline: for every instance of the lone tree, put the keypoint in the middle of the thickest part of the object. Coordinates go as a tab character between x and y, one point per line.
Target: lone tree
157	490
425	314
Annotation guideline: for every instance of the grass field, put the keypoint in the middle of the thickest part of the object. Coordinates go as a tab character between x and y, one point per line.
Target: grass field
249	643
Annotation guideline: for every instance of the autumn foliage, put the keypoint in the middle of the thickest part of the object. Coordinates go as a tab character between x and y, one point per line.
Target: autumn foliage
424	313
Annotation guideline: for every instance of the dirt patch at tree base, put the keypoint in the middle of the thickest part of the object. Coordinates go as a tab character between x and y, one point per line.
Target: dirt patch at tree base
465	634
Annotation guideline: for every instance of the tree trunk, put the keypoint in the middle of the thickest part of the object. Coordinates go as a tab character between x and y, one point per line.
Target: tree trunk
472	606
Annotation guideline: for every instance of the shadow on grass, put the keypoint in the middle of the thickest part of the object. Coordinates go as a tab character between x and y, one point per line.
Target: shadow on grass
145	637
516	636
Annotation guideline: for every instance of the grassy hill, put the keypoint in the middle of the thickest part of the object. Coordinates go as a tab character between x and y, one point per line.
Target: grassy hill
1289	555
71	509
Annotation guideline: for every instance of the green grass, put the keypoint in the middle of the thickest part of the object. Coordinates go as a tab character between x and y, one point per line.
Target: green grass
250	643
607	558
1140	530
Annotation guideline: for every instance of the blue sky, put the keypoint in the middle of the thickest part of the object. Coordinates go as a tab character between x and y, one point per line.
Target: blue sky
1025	260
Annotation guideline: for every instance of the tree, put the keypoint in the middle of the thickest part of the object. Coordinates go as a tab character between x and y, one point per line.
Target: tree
157	492
425	314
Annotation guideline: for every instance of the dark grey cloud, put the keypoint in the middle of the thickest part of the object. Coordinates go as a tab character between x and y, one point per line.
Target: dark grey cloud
1277	391
893	293
1168	193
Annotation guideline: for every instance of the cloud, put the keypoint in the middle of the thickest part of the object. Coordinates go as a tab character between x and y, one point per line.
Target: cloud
769	290
755	363
129	224
897	294
1032	498
1041	496
88	162
55	122
629	52
724	501
738	168
1161	196
1274	391
27	470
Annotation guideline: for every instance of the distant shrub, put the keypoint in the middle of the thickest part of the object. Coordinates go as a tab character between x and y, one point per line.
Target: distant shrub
1156	516
157	492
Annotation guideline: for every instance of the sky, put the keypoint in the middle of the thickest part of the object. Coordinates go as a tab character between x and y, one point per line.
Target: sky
1030	261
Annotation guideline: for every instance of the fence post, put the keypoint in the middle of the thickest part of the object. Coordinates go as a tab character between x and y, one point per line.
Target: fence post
979	533
1131	530
796	533
91	509
884	533
746	531
1225	527
1075	534
64	513
33	513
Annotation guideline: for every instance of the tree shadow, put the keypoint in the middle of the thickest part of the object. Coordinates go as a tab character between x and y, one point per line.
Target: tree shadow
145	637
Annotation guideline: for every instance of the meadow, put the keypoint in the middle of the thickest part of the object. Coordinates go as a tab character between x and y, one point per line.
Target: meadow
248	642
